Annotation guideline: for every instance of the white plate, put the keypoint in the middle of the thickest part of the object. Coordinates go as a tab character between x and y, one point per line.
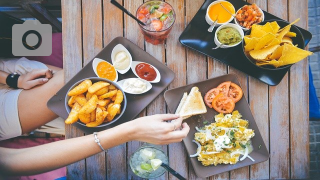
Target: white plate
246	29
95	63
149	86
133	68
115	50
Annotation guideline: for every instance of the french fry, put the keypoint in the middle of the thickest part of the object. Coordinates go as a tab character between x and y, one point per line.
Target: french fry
90	105
108	94
109	106
85	118
119	97
103	102
97	86
71	101
112	111
93	116
113	98
81	100
74	114
100	115
119	111
88	96
102	91
81	88
112	87
102	107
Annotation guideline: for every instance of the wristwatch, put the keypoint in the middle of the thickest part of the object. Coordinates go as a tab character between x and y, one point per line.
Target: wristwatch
12	80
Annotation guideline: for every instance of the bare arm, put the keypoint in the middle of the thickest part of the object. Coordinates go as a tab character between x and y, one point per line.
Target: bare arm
3	77
35	160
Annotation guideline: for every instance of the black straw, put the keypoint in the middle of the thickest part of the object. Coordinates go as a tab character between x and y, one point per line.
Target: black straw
173	172
126	11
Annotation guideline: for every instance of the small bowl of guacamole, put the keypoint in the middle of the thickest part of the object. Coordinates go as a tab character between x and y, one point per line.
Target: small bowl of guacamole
228	35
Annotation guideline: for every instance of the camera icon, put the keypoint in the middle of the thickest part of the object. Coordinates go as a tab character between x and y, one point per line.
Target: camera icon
31	39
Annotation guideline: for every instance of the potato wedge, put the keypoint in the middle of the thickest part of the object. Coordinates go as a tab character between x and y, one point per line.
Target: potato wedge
102	91
85	118
103	102
88	96
74	114
97	86
112	87
108	94
93	116
81	100
119	97
71	101
113	98
100	115
81	88
112	111
90	106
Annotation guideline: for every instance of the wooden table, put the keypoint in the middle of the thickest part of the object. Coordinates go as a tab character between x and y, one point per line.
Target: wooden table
281	111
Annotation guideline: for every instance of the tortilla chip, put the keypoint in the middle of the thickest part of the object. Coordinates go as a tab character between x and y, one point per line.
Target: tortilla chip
275	26
292	54
275	41
291	34
264	41
273	62
277	53
247	39
268	28
295	21
263	53
251	44
256	31
283	32
286	40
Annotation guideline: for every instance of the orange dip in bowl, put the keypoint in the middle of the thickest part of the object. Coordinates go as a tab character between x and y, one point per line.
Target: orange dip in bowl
107	71
217	9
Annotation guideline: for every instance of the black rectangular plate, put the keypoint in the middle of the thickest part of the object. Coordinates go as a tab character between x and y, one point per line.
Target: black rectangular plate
136	103
196	37
259	153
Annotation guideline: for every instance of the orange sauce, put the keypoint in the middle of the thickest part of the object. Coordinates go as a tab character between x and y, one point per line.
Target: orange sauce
217	9
106	70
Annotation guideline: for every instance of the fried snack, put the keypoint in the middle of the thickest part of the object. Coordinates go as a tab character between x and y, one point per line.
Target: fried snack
112	111
119	97
71	101
81	100
85	118
109	94
112	87
97	86
100	116
81	88
93	116
90	105
102	91
88	96
103	102
74	114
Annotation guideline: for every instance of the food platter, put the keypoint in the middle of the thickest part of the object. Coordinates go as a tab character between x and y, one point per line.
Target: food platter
259	153
135	102
196	37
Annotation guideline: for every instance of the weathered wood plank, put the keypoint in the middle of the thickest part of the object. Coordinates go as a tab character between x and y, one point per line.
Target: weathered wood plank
258	99
113	27
132	32
176	61
92	45
279	113
72	63
299	105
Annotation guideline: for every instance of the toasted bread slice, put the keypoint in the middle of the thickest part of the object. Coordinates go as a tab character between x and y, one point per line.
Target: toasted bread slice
182	101
194	104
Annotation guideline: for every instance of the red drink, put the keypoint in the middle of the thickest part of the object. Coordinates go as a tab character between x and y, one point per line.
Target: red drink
159	17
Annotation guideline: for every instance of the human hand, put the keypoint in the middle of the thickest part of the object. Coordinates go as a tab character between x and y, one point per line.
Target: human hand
34	78
156	130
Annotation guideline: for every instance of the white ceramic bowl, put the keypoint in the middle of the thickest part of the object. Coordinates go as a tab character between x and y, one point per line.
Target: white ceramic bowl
115	50
95	63
237	27
209	20
133	68
246	29
120	83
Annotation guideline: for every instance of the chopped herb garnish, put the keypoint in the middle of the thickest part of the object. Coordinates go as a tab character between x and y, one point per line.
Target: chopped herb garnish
232	133
205	122
234	144
243	146
228	151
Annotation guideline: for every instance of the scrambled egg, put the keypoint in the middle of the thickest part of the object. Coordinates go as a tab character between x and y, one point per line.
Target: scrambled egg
225	140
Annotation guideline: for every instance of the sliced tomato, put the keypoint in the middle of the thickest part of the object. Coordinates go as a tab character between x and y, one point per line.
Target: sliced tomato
166	9
235	92
210	95
224	87
144	11
141	16
157	25
223	104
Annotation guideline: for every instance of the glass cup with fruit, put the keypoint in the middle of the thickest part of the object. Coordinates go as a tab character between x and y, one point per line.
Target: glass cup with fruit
146	162
159	18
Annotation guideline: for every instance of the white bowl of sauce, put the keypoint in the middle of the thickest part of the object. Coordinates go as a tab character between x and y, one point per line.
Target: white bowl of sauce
135	85
121	58
104	69
145	71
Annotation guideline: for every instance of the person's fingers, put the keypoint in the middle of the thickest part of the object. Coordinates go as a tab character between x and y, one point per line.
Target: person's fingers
167	117
49	74
179	134
177	123
36	82
37	73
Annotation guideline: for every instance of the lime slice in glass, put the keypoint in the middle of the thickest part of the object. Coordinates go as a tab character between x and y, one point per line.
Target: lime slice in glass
146	166
155	163
148	154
